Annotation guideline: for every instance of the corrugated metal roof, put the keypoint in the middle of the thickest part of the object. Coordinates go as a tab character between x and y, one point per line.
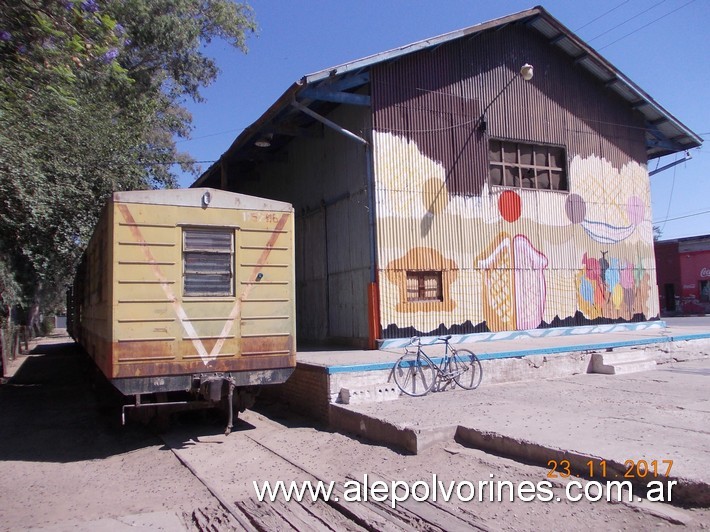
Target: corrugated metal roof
665	133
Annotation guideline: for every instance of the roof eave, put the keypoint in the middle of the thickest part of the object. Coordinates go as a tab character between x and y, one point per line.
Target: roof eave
686	139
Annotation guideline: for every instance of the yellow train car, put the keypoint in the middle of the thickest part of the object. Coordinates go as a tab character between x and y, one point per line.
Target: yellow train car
189	290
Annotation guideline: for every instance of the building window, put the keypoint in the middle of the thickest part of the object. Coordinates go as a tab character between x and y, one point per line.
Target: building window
514	164
705	291
424	286
208	256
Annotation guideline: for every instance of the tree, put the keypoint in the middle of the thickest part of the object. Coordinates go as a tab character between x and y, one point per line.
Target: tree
657	233
91	97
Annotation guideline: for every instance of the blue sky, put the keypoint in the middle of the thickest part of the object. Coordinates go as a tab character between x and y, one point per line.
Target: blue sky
661	45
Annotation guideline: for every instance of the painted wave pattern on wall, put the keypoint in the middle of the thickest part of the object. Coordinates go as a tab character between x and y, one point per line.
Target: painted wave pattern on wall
512	259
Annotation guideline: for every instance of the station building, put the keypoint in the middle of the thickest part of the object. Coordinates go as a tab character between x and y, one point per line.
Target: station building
490	180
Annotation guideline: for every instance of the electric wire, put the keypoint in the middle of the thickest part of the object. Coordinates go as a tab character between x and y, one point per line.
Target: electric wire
646	25
602	15
670	198
682	217
209	135
627	20
149	163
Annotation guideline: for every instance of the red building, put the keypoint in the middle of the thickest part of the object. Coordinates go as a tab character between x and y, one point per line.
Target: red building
683	273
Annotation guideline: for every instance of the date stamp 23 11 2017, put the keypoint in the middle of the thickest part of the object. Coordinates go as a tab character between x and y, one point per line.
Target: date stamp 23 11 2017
607	479
634	469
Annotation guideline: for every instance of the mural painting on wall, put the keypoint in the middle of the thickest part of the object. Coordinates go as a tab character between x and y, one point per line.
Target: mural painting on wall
423	259
611	288
513	259
514	288
607	286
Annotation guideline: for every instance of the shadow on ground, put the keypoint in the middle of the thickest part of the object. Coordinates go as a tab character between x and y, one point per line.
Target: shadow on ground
55	409
49	411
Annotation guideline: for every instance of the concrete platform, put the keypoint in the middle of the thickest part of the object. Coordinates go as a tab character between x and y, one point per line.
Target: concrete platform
322	377
540	401
658	415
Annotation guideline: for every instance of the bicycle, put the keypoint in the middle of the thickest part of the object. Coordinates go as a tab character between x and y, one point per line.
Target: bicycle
416	374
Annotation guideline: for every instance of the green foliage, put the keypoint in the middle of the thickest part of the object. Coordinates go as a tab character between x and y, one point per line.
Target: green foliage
90	103
9	288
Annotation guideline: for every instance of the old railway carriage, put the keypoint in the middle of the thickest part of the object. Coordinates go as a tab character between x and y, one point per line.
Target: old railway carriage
189	290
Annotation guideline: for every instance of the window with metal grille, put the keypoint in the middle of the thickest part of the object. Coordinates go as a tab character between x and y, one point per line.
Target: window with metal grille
424	286
514	164
208	256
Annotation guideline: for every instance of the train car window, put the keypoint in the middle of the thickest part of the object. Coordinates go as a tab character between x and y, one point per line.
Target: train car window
208	258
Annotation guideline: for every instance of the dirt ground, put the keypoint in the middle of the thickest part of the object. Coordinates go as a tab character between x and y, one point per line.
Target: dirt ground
67	463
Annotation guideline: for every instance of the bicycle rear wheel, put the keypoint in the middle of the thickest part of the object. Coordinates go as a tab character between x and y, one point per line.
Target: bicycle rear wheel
466	369
414	373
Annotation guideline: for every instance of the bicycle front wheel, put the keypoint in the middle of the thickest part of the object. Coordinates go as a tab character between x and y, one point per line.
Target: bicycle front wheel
414	373
466	369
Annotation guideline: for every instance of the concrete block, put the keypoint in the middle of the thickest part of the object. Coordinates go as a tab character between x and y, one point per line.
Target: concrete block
552	366
630	367
622	362
369	394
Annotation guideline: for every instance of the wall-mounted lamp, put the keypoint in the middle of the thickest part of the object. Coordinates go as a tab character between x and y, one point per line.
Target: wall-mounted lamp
206	198
265	141
527	72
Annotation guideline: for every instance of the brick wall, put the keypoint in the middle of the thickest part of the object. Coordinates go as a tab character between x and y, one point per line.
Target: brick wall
306	392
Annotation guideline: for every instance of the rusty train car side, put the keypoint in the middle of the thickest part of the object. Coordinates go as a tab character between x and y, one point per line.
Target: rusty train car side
188	290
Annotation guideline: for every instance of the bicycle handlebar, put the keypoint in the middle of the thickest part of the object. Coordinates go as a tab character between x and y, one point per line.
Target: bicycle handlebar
417	340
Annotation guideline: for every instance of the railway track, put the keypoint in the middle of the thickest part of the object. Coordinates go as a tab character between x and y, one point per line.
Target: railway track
320	515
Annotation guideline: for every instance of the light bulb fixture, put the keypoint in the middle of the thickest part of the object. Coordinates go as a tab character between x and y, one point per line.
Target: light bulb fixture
265	141
527	71
206	198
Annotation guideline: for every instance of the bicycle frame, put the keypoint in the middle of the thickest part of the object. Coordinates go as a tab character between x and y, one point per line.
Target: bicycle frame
417	374
443	368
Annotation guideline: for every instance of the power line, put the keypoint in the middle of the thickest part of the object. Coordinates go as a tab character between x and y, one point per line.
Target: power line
602	15
646	25
627	20
171	162
208	135
670	198
681	217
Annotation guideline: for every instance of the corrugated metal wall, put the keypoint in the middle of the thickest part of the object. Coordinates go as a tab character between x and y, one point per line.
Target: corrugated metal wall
512	258
325	179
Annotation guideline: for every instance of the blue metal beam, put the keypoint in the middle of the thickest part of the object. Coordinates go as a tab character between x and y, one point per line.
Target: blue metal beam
348	82
328	95
671	165
328	123
660	140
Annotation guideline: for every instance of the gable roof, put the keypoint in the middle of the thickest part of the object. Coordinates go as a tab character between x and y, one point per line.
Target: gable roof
332	86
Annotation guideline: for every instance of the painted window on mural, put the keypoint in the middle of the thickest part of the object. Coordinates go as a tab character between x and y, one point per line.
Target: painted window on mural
424	286
515	164
208	255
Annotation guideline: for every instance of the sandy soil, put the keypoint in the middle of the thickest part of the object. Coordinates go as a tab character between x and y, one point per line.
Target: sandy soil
66	462
65	459
333	456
